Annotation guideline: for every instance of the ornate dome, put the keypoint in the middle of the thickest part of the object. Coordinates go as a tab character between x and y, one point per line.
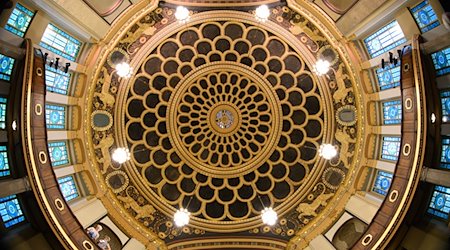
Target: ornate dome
224	115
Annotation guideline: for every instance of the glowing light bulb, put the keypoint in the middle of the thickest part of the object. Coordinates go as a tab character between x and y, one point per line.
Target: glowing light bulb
121	155
322	67
181	217
327	151
124	70
444	118
269	216
433	118
182	14
262	13
14	125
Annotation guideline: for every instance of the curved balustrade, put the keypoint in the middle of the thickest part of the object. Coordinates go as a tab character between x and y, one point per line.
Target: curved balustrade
42	178
406	176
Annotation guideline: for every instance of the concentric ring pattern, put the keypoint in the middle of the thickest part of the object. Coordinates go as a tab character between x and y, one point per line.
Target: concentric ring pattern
274	116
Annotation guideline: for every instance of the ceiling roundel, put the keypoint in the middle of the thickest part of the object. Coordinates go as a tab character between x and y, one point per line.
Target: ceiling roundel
223	116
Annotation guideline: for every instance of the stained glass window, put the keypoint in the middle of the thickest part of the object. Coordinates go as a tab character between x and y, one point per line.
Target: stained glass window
4	163
389	77
445	153
445	105
392	112
68	187
57	81
11	211
55	116
440	202
385	39
441	61
390	148
58	153
3	102
6	67
382	182
425	16
61	43
19	20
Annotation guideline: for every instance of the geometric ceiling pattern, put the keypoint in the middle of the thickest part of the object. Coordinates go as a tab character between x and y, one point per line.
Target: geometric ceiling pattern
224	115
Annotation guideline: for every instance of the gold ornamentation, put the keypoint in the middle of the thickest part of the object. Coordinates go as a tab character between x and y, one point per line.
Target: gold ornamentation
309	209
145	211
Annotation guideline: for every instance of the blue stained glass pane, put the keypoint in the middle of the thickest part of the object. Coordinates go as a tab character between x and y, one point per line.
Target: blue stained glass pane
57	81
58	153
425	16
11	211
3	102
385	39
441	61
389	77
392	112
61	43
440	202
6	67
382	182
68	187
55	116
4	162
19	20
445	104
445	154
390	148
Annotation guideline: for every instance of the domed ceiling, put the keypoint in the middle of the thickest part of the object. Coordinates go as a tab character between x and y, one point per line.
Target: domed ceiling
224	115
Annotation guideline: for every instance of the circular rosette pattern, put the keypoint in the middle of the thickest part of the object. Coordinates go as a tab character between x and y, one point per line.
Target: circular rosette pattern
222	116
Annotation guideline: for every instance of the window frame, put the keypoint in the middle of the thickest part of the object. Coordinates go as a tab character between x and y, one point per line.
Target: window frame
49	44
389	155
60	73
415	15
22	216
68	159
395	103
383	47
375	178
394	72
445	70
75	183
434	210
14	29
7	76
9	170
66	111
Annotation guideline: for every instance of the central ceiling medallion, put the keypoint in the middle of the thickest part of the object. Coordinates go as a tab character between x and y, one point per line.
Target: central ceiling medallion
224	119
